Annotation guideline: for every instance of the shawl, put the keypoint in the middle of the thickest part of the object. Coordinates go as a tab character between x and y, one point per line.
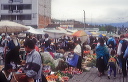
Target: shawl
102	51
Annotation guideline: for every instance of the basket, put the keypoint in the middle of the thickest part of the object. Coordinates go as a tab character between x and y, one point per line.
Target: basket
16	78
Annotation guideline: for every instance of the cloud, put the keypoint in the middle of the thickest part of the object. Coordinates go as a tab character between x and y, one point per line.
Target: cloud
100	11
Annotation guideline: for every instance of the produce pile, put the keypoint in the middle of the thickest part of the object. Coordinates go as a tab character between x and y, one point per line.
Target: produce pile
62	76
62	72
89	61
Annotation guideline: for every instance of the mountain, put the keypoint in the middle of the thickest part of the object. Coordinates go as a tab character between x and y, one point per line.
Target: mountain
120	24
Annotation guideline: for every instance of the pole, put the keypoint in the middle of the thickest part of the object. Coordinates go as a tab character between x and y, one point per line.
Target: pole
84	19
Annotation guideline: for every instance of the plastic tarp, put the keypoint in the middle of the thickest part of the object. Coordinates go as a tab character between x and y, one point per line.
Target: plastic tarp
55	33
35	31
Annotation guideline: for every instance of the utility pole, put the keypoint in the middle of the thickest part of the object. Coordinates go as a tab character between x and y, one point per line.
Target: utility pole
84	19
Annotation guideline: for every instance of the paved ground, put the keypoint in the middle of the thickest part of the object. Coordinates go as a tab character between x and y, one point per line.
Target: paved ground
92	76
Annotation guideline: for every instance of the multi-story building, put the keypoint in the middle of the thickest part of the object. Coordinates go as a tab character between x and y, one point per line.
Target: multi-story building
36	13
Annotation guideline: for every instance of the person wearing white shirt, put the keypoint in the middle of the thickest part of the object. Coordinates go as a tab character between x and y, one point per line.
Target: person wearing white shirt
78	51
120	53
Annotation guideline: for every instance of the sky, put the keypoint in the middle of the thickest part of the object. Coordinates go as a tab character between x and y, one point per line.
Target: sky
96	11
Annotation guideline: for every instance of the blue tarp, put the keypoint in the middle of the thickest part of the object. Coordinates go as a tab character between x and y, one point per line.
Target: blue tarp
74	60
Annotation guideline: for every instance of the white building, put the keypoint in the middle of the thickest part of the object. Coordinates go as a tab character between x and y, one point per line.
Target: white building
36	13
92	29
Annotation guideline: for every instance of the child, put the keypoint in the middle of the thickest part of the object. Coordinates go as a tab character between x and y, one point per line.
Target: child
112	64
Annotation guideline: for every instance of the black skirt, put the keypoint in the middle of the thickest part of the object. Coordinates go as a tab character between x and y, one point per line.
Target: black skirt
100	65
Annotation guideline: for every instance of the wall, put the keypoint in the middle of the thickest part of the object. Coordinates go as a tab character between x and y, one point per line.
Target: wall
44	9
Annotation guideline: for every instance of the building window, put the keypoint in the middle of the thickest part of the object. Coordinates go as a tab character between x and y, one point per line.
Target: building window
4	7
16	17
8	7
24	6
4	17
12	7
19	7
17	0
27	6
8	17
24	17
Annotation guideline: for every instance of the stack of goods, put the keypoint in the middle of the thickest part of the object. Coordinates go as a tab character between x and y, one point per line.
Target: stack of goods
72	71
52	78
58	77
88	62
62	76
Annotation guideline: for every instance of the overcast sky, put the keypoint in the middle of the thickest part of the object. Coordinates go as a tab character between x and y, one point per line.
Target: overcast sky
96	11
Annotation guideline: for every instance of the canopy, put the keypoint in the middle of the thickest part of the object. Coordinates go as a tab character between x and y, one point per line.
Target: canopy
55	33
11	27
66	32
35	31
71	31
79	33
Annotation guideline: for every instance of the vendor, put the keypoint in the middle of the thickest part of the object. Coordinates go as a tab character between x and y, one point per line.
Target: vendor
77	50
6	73
33	67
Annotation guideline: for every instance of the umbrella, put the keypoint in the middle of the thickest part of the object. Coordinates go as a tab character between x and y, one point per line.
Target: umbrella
79	33
95	33
100	35
104	34
11	27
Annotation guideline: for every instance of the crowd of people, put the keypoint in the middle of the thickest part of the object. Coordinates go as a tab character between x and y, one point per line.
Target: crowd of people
111	53
10	53
112	56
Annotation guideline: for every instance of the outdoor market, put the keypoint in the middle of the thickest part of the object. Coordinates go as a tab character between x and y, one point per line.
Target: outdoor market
61	57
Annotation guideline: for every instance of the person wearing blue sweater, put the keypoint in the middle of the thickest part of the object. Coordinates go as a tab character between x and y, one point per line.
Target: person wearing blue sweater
102	56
